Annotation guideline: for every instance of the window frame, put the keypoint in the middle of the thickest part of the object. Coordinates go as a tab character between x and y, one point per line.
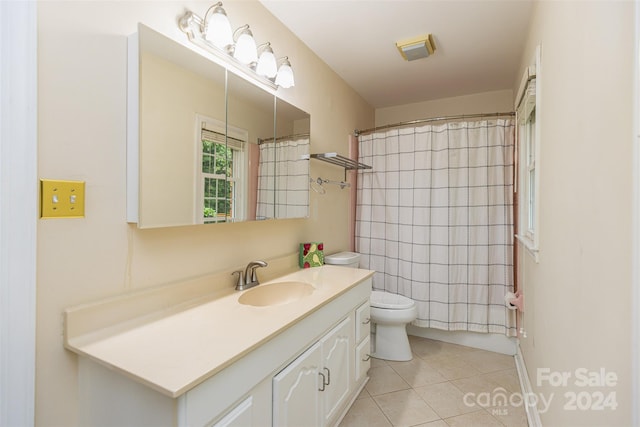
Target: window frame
528	157
236	139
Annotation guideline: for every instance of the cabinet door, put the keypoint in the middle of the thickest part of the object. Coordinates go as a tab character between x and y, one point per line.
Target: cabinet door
337	352
296	388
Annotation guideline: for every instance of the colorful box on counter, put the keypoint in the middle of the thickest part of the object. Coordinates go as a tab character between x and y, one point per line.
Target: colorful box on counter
311	255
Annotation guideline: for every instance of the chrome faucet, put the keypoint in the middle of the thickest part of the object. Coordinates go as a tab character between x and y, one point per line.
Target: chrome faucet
249	279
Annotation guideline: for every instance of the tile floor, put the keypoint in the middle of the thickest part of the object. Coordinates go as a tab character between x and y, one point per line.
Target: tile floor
430	390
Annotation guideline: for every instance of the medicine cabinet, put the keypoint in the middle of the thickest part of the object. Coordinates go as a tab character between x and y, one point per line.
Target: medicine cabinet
205	145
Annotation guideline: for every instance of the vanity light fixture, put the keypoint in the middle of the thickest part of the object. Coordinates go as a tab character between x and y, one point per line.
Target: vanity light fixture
267	65
217	28
237	50
284	77
245	49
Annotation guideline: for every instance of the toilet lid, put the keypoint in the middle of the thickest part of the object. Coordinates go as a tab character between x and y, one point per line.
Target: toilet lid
382	299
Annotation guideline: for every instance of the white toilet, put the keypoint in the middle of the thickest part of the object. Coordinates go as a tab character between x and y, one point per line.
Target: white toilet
390	313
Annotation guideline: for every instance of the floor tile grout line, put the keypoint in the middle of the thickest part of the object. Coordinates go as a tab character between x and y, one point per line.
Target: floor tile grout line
381	410
485	377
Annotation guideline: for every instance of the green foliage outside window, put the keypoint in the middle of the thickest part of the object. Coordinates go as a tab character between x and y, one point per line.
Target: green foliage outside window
217	162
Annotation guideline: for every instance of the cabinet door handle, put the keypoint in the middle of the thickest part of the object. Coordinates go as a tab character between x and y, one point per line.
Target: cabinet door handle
366	358
328	376
323	383
366	322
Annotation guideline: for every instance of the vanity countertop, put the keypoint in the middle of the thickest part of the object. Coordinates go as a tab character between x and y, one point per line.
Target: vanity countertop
173	353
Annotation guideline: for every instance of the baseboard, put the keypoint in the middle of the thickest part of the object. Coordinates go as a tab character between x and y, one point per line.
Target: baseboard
492	342
533	417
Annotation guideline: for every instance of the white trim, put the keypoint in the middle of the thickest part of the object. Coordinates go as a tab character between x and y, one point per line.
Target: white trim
133	127
529	245
635	230
537	146
18	219
525	104
533	417
529	74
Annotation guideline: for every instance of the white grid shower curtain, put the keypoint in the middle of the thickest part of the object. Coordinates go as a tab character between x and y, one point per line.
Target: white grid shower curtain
435	221
283	179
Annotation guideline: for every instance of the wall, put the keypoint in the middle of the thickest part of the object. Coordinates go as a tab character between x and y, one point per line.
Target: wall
487	102
82	135
578	297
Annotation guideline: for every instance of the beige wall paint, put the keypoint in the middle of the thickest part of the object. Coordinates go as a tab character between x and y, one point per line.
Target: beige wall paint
578	297
82	135
487	102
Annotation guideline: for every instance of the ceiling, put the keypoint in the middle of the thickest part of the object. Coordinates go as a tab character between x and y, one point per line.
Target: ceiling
478	44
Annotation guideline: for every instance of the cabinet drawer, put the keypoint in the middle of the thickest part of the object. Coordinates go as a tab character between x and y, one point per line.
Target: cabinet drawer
363	358
363	321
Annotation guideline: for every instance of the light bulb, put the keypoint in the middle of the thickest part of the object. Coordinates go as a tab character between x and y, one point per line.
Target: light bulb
218	29
285	75
267	65
245	50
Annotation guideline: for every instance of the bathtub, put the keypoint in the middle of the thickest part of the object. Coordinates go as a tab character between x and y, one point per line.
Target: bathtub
498	343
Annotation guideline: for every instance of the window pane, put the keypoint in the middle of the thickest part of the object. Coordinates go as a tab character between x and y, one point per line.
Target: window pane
221	159
220	190
209	212
531	138
205	163
209	187
222	207
229	162
532	199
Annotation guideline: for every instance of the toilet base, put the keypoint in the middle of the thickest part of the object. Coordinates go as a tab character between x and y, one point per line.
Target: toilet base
392	343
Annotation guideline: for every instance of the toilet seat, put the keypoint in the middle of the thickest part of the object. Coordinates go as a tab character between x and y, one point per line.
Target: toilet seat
390	301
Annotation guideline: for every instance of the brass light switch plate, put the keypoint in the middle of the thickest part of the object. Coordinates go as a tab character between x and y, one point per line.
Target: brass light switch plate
61	199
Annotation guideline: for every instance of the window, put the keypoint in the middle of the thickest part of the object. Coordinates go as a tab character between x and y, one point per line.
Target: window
222	159
528	159
530	142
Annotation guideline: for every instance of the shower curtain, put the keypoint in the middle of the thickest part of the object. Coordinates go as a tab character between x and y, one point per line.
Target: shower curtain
435	221
283	179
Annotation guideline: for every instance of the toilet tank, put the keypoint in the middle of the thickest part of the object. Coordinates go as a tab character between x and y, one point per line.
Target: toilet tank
344	259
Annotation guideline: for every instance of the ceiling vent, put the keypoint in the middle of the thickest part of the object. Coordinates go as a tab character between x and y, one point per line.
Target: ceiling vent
416	48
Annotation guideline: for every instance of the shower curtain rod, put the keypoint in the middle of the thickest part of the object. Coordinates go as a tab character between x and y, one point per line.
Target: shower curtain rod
358	132
280	138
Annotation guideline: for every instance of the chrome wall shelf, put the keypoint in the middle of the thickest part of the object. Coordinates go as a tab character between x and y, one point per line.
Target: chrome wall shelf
337	159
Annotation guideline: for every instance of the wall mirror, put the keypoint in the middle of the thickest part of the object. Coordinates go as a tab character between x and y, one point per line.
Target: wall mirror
207	146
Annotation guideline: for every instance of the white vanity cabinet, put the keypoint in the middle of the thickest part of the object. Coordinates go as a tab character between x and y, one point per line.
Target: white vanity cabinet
305	375
313	388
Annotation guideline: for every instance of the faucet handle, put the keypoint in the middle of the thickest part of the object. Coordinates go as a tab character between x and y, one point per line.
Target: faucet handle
240	280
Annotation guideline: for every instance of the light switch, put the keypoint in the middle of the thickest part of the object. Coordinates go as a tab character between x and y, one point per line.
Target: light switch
61	199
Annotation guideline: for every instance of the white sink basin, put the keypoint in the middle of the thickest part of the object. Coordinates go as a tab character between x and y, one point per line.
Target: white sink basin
277	293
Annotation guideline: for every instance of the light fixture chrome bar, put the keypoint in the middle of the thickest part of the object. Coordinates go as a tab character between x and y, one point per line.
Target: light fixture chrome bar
192	25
